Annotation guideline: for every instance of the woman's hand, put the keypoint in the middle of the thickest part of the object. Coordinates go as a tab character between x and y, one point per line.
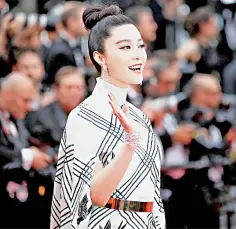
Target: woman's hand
132	137
122	115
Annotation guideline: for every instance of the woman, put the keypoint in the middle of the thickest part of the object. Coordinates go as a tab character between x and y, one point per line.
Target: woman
108	173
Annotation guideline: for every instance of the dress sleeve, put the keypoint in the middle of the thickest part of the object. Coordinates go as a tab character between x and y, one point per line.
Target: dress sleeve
71	203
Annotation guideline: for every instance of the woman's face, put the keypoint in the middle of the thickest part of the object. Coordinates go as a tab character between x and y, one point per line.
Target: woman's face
125	56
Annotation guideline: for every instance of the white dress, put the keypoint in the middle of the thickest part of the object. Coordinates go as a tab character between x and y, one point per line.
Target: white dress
93	131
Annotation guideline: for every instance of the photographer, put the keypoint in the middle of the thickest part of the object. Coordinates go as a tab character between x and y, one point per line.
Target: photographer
207	108
190	138
202	107
161	102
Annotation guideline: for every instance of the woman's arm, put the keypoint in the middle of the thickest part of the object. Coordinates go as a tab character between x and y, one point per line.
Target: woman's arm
106	180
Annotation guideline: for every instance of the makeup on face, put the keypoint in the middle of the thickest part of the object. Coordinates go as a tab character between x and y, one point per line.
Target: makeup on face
137	67
125	55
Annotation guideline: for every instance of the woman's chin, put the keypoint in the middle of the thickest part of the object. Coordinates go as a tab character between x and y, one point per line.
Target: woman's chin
137	79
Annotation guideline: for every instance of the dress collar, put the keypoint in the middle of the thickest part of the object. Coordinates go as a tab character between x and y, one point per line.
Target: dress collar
119	94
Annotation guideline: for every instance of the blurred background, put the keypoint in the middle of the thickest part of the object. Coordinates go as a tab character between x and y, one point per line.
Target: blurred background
188	92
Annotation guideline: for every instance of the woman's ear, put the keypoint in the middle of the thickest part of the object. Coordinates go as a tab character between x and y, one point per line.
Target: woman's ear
99	58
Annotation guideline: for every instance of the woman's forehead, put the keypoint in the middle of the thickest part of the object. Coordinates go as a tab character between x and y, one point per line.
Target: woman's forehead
125	32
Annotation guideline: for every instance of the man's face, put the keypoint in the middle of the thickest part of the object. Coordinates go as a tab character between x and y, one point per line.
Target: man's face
209	95
147	27
76	24
20	101
212	96
70	92
31	65
168	81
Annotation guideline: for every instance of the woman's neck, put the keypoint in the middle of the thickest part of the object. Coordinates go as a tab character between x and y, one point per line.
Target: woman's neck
114	82
119	93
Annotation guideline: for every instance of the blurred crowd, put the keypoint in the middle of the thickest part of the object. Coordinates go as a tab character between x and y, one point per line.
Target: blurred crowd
188	92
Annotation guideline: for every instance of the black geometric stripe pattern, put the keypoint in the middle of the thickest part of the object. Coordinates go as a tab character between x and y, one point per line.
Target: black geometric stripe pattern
99	214
61	214
76	204
114	134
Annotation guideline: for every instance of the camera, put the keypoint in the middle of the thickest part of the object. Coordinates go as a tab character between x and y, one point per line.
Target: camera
167	103
46	21
31	19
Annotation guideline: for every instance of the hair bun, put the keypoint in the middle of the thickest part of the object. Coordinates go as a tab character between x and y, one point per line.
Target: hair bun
93	15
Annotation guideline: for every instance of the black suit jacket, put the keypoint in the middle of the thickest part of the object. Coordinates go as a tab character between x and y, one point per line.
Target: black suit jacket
47	124
11	158
59	55
10	146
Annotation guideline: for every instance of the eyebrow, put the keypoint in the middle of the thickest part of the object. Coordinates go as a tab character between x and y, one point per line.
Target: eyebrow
126	40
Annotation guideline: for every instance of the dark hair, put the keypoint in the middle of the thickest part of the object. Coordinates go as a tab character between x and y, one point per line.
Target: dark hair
100	19
193	21
134	12
67	71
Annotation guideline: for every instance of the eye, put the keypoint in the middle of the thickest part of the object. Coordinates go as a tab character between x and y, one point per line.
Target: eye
126	47
142	46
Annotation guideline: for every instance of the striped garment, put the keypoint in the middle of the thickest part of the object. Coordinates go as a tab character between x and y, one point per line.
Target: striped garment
92	132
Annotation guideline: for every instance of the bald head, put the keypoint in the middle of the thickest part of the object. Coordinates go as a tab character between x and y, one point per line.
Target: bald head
202	81
205	80
17	94
205	90
15	81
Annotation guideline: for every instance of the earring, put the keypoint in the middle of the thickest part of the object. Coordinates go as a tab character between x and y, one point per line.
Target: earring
105	74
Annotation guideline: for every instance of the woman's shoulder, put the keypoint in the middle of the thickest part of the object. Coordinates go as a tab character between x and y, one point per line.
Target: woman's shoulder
90	111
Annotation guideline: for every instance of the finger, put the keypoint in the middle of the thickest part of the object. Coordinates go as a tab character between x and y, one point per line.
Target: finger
113	100
119	114
47	158
126	109
111	97
115	108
